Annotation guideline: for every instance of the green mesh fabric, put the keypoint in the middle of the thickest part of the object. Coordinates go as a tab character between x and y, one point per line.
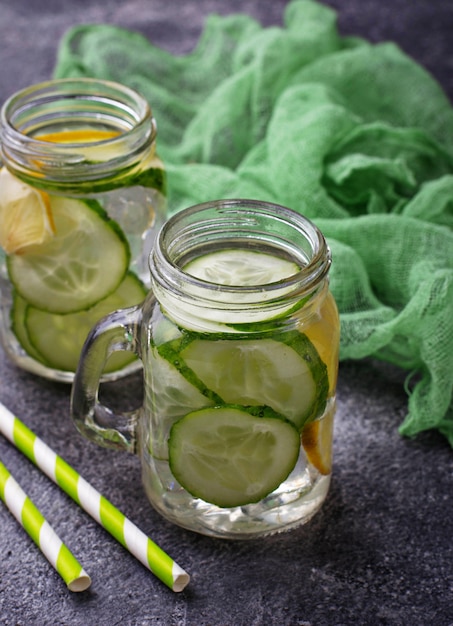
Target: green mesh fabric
356	136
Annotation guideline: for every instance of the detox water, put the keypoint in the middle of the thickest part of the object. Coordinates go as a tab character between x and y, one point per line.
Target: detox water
218	382
238	337
82	197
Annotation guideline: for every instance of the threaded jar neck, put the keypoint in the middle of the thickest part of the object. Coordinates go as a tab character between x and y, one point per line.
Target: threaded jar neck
121	121
237	223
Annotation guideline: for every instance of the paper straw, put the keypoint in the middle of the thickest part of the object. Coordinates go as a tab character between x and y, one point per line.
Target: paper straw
96	505
42	533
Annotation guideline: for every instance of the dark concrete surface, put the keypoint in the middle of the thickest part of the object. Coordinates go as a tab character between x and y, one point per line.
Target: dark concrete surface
380	551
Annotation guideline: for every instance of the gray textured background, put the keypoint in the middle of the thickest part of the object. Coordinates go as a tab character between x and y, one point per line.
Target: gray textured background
380	550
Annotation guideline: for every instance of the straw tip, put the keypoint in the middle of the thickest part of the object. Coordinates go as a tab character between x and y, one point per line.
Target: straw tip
180	579
81	583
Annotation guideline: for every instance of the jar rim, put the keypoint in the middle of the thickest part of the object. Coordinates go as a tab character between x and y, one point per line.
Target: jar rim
69	101
185	231
73	88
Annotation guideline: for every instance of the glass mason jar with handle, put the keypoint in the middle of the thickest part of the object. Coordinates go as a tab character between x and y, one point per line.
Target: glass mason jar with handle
239	342
82	196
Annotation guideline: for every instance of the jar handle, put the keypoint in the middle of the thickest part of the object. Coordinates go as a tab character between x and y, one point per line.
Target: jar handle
117	331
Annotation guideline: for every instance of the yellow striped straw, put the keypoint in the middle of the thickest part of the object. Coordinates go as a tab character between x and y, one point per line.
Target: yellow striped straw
96	505
42	533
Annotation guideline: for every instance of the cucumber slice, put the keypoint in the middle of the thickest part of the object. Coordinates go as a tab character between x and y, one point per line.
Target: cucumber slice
80	265
285	374
153	178
18	316
169	397
241	267
229	457
172	352
60	338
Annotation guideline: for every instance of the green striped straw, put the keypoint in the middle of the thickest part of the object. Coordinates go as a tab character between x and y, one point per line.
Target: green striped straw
96	505
42	533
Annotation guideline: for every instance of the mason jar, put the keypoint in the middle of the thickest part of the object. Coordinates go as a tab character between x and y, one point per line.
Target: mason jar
82	196
239	339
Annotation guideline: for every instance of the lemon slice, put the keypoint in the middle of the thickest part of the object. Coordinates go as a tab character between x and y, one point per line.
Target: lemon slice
96	146
78	135
25	215
317	442
230	457
323	332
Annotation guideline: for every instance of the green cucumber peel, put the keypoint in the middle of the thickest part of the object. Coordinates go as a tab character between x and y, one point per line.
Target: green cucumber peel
69	272
153	178
271	323
230	457
299	342
95	206
171	352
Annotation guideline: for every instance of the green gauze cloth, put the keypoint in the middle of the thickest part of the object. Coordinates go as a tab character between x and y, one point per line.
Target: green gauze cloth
357	137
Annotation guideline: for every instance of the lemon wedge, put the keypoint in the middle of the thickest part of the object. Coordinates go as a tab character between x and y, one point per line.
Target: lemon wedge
25	215
323	333
317	440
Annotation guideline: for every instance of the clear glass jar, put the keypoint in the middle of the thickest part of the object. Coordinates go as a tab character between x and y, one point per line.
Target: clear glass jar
239	341
82	196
